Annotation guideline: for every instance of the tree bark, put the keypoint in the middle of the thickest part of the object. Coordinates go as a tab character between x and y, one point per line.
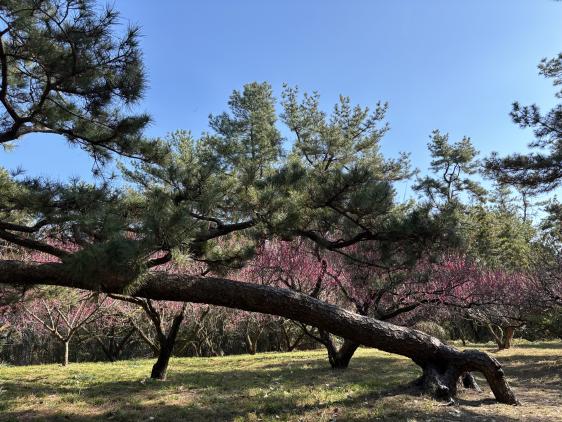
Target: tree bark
66	352
160	368
508	337
442	364
338	358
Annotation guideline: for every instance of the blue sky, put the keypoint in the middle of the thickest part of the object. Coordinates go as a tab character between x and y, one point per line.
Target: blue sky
445	64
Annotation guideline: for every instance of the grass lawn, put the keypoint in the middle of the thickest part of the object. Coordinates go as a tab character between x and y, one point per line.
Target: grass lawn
296	386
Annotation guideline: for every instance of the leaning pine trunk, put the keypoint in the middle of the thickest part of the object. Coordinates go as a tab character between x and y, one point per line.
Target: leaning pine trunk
442	365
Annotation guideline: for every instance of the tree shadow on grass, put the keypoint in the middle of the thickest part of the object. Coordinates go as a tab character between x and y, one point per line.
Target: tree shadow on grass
214	390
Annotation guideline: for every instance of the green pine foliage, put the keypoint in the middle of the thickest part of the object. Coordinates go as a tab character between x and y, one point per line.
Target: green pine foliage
68	69
540	170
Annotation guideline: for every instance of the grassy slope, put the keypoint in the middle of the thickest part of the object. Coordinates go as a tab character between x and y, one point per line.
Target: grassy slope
294	386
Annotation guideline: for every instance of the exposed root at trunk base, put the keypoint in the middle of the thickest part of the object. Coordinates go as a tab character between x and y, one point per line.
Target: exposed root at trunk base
441	379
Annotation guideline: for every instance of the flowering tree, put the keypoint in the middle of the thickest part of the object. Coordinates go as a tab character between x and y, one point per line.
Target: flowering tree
62	314
112	331
301	267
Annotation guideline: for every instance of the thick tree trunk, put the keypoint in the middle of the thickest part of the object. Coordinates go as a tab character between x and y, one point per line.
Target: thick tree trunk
508	337
442	364
338	358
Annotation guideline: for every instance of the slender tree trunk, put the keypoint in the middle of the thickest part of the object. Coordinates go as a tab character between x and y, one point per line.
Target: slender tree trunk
292	346
160	368
498	336
66	350
442	365
251	346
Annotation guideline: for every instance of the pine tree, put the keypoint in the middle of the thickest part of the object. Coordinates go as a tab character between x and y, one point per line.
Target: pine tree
65	69
541	169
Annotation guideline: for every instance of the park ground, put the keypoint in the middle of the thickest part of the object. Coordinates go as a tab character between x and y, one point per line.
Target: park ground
297	386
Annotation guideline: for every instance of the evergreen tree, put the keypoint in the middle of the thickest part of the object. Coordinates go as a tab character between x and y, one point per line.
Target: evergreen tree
65	69
540	170
452	165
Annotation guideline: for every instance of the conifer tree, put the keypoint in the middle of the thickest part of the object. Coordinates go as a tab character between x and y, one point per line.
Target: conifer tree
68	69
541	169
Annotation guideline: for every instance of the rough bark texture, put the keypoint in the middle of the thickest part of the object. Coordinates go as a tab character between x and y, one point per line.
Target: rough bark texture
442	364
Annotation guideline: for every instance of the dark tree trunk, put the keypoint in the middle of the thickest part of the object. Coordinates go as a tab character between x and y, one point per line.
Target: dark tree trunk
469	382
338	358
291	345
114	349
442	364
160	368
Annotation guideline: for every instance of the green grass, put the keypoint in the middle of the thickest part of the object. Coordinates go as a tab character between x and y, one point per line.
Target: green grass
296	386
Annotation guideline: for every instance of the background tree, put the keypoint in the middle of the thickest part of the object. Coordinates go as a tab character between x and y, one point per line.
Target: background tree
63	315
166	320
540	170
452	166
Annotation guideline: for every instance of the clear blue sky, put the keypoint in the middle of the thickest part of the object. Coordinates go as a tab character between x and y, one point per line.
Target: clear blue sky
452	65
